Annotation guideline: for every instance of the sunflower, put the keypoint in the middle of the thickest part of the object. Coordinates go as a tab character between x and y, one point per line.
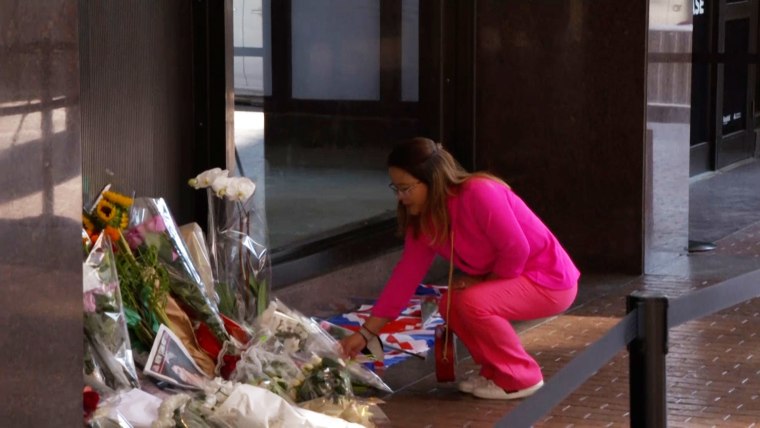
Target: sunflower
118	199
87	224
105	211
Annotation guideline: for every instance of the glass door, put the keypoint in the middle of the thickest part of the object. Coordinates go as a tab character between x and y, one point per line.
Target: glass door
323	90
724	87
737	34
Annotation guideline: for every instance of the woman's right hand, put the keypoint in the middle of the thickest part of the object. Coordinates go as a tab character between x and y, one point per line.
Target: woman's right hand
352	345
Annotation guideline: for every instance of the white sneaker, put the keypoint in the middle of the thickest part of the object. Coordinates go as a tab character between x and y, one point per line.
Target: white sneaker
492	391
472	382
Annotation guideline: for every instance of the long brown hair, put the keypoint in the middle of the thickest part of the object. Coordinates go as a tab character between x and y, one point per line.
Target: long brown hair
430	163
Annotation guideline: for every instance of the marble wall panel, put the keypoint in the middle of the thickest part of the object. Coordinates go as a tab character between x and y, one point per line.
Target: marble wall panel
137	100
40	207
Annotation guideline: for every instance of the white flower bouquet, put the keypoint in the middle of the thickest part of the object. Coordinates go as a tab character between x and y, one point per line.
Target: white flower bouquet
230	405
238	245
296	359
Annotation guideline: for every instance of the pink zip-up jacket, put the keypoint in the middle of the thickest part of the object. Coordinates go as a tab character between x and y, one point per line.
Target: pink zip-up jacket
494	233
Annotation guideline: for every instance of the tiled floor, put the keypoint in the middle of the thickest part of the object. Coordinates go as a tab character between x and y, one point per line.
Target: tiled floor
713	364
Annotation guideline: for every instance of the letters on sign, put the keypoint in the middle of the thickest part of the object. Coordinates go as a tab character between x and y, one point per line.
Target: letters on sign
698	7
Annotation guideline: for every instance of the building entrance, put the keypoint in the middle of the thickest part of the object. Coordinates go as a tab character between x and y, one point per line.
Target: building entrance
724	84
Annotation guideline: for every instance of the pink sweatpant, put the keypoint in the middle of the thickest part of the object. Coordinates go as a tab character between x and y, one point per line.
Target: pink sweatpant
481	315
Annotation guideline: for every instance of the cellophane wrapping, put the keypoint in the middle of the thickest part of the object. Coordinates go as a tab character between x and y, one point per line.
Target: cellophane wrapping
108	352
298	360
239	254
151	223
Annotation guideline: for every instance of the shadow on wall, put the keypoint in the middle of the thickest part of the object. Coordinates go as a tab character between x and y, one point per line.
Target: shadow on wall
60	147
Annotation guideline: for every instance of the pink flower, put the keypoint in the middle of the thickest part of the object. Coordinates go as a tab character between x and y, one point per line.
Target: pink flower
136	235
89	302
134	238
155	224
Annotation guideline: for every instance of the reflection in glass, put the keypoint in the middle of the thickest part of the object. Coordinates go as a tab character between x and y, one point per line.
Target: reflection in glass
410	50
669	112
316	143
663	13
251	35
335	49
735	77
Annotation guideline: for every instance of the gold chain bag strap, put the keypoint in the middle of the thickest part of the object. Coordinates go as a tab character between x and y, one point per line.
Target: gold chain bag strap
445	351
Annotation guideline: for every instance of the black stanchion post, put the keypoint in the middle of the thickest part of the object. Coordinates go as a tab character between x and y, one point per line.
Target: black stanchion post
648	399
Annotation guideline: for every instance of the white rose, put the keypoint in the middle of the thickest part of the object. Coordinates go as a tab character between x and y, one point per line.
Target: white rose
207	178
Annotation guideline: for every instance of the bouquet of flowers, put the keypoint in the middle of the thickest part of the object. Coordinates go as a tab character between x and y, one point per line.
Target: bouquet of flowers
237	239
292	370
226	404
108	352
154	232
159	281
143	280
296	359
220	403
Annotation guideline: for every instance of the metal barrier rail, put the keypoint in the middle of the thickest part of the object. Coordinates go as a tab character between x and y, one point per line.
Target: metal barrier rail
644	330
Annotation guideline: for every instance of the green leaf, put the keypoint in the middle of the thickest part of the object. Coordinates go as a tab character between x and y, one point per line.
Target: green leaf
133	318
226	299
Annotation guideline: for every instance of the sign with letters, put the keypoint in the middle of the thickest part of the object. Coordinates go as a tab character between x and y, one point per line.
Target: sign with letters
698	7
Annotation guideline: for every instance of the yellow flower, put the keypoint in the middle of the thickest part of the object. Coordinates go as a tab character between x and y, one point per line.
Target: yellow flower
118	199
105	211
87	224
124	220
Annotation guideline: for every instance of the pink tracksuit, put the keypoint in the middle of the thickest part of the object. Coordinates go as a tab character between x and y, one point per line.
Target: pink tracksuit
494	233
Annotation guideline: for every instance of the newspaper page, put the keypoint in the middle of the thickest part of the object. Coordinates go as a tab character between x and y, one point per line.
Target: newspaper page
170	361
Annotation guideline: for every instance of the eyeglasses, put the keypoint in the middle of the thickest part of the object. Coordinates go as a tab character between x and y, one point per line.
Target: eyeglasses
403	190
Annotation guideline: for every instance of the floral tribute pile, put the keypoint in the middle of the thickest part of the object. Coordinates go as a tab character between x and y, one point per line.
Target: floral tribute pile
180	329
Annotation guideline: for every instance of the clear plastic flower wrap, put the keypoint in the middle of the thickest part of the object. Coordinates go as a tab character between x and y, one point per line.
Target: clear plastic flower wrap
93	373
360	374
151	223
239	252
294	330
108	421
229	404
290	358
105	325
319	339
250	406
362	411
242	280
295	358
325	377
238	244
195	240
278	372
181	410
